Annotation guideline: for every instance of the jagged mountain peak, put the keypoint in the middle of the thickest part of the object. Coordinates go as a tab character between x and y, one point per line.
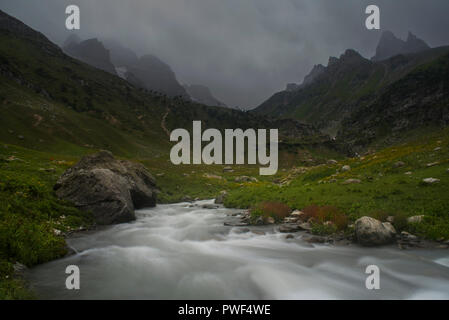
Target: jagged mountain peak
202	94
390	45
73	38
92	52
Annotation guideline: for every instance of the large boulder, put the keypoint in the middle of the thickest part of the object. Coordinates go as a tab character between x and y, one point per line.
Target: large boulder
372	232
111	189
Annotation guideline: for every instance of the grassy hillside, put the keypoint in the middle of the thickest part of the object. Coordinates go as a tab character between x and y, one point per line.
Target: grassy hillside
386	188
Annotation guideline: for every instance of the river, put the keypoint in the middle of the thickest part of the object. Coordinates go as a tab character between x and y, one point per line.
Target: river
183	251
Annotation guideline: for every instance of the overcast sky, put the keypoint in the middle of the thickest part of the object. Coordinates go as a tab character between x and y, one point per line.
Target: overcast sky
243	50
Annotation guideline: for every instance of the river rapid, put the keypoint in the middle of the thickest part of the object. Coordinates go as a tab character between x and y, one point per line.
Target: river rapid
184	251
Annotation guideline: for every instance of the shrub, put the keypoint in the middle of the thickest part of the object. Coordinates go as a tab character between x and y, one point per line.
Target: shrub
380	215
321	214
276	210
400	221
324	229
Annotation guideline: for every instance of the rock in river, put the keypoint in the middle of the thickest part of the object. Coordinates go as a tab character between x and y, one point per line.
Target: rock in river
372	232
111	189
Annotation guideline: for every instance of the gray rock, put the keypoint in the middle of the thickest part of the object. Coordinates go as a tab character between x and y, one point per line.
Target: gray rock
270	220
345	168
332	162
433	164
372	232
221	197
305	226
245	179
259	221
111	189
431	180
287	228
399	164
415	219
352	181
19	270
209	206
315	239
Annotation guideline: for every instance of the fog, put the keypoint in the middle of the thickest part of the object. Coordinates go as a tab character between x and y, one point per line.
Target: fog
243	50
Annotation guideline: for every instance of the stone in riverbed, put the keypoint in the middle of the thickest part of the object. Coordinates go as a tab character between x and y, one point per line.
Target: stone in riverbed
111	189
306	226
209	206
372	232
287	228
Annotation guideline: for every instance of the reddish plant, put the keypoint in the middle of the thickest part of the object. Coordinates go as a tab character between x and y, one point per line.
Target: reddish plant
321	214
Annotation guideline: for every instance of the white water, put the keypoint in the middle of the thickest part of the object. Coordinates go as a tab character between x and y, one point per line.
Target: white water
181	252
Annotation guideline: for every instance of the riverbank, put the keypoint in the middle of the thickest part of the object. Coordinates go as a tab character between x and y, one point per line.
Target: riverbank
185	251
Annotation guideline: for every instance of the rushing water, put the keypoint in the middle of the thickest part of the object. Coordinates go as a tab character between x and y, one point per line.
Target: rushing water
181	251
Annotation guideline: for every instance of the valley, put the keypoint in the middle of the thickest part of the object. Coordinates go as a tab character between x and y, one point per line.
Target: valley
358	138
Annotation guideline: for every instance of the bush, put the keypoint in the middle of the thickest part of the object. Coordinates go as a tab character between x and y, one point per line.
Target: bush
277	210
400	221
321	214
324	229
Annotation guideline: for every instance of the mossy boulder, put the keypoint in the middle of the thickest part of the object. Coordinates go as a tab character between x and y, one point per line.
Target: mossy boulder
109	188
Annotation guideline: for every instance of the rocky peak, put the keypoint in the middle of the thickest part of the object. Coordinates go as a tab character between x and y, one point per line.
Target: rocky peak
317	70
414	44
154	74
389	46
332	61
292	87
72	39
202	94
92	52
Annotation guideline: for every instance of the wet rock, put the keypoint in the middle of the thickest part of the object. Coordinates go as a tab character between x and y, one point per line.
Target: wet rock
259	221
236	224
243	230
306	226
372	232
407	236
258	232
315	239
287	228
290	236
291	219
270	220
209	206
111	189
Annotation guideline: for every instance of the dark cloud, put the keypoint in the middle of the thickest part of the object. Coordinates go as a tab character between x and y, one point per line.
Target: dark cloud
244	50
